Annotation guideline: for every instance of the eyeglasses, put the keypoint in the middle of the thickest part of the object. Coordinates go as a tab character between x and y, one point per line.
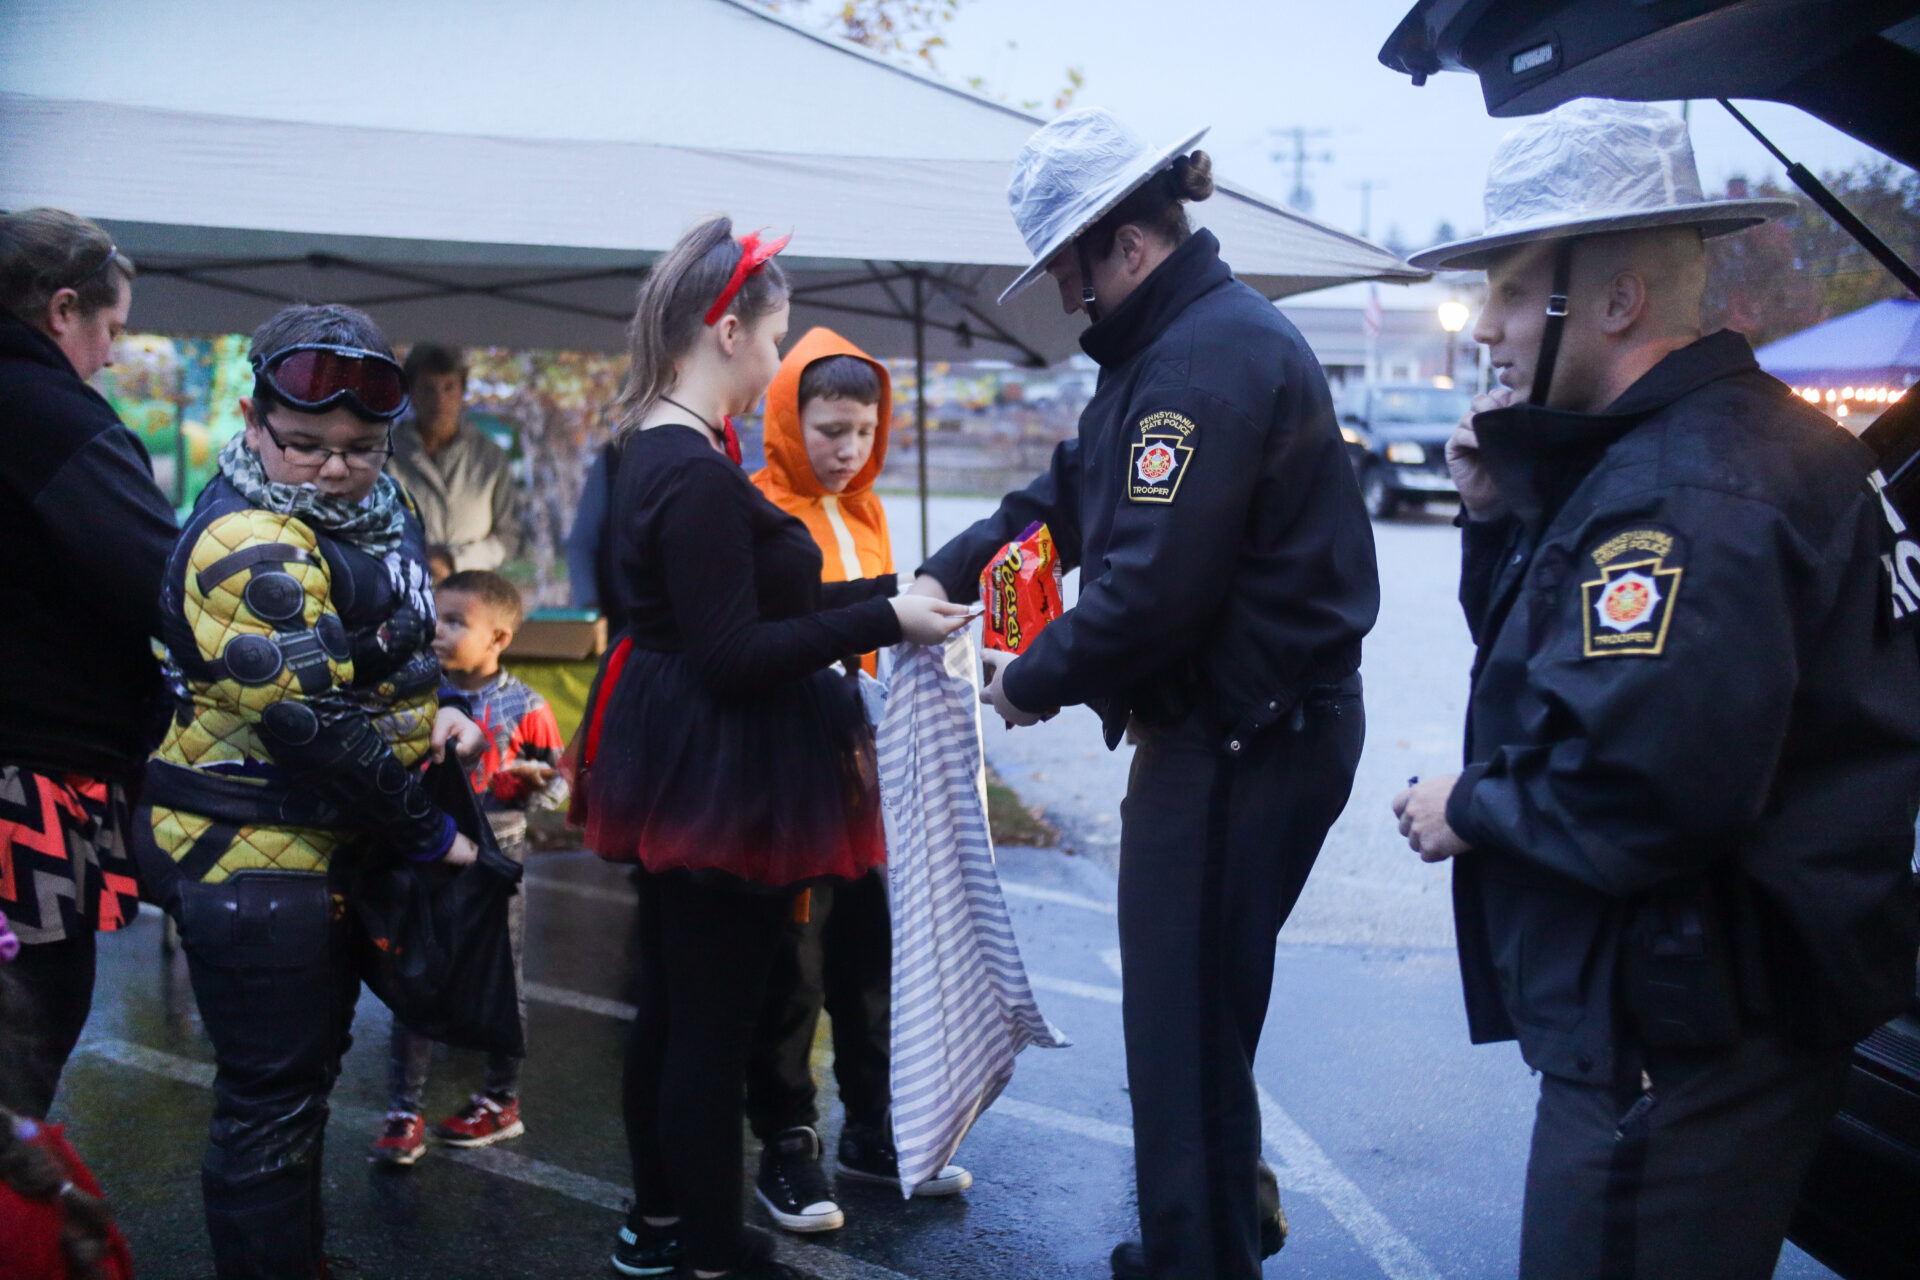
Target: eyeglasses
318	456
316	376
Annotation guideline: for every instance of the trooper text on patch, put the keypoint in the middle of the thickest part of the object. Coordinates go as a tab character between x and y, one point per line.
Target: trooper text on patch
1626	610
1157	460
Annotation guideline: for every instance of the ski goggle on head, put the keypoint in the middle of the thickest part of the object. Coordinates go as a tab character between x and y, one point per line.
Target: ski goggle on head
315	376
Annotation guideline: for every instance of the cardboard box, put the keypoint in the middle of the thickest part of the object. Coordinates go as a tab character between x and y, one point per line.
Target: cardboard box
558	639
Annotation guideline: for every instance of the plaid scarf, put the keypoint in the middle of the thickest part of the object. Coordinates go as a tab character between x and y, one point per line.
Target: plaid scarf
373	524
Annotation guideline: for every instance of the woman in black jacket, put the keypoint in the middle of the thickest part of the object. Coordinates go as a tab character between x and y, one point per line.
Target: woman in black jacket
1227	578
721	755
85	533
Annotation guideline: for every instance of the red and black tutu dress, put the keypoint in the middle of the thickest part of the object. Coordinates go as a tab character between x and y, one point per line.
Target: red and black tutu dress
723	741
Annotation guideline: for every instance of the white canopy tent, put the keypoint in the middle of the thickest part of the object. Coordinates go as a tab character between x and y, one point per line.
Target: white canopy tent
491	172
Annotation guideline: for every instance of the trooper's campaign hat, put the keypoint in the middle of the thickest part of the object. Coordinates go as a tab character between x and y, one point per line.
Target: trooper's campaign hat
1592	167
1071	173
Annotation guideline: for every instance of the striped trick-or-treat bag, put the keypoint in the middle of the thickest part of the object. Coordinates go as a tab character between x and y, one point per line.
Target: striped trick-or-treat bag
962	1007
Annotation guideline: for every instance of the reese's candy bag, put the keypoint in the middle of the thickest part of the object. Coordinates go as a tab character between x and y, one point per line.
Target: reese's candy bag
1021	589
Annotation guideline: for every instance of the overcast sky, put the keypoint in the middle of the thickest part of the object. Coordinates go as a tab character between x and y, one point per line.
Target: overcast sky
1247	67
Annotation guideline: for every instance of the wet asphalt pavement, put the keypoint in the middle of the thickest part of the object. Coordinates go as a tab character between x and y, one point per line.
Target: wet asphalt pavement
1400	1148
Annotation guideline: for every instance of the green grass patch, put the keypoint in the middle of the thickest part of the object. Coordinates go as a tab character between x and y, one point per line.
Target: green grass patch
1011	822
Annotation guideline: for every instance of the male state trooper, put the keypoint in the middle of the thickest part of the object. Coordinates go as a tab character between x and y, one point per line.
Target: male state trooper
1681	842
1227	577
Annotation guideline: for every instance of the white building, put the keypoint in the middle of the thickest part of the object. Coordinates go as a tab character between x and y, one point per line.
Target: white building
1410	344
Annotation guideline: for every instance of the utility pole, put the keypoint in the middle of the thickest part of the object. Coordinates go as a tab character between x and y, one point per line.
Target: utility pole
1300	156
1366	186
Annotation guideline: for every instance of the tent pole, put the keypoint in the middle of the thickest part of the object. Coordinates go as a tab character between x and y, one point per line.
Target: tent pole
920	401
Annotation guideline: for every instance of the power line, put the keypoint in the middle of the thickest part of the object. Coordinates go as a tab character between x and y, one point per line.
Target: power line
1366	187
1300	156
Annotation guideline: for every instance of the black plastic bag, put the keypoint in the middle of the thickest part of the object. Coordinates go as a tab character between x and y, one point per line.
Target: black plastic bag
434	943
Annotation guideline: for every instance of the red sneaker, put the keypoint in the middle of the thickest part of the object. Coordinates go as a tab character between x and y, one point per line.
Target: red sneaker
403	1140
482	1122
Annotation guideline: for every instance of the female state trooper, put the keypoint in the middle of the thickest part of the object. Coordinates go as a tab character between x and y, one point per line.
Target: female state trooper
1227	580
298	623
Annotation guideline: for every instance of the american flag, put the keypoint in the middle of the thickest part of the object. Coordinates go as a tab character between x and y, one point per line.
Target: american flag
1374	319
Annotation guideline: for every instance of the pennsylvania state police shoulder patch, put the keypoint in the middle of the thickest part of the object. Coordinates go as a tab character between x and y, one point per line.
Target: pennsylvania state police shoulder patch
1157	462
1628	607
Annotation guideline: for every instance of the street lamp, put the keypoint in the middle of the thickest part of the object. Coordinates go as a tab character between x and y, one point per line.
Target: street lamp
1453	318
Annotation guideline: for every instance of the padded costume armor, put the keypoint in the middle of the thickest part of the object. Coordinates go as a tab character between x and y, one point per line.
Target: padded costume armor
305	690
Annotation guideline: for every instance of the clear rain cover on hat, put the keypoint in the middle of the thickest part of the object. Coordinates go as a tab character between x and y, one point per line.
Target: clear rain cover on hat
1592	158
1065	169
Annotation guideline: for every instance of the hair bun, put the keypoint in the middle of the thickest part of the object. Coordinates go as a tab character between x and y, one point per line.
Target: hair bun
1192	176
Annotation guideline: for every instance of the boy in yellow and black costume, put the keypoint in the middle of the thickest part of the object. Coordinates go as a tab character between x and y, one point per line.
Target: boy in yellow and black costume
297	620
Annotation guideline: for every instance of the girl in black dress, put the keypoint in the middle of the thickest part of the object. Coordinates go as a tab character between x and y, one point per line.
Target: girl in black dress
722	755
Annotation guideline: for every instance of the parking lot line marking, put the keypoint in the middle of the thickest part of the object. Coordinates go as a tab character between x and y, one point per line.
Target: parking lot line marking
1016	889
578	1000
1302	1166
1072	987
1301	1163
1115	1135
828	1264
1313	1172
151	1061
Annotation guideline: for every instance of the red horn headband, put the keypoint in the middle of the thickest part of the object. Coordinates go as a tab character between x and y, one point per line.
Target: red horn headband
753	256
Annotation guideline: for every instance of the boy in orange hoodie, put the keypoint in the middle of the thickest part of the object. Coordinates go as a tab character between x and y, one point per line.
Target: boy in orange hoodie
828	410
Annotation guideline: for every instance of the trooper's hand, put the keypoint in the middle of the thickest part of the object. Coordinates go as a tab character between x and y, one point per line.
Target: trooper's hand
461	853
450	724
1477	492
995	692
1422	810
924	620
928	585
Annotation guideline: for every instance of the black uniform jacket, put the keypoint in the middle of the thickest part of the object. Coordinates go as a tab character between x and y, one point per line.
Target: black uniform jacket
1689	699
84	535
1226	559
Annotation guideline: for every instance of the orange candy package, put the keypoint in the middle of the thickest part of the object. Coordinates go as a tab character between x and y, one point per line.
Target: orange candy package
1021	590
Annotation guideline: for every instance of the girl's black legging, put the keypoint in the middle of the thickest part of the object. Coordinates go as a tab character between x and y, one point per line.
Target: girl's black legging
703	958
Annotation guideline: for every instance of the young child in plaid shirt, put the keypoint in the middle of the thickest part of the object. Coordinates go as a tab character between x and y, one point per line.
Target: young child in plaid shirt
478	614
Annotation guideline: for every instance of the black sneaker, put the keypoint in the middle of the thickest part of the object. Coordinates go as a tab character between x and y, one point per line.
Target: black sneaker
791	1185
647	1250
866	1155
1129	1257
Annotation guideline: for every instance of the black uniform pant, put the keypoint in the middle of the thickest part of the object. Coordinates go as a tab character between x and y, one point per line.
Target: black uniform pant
703	958
1693	1178
51	998
842	959
270	956
1214	850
